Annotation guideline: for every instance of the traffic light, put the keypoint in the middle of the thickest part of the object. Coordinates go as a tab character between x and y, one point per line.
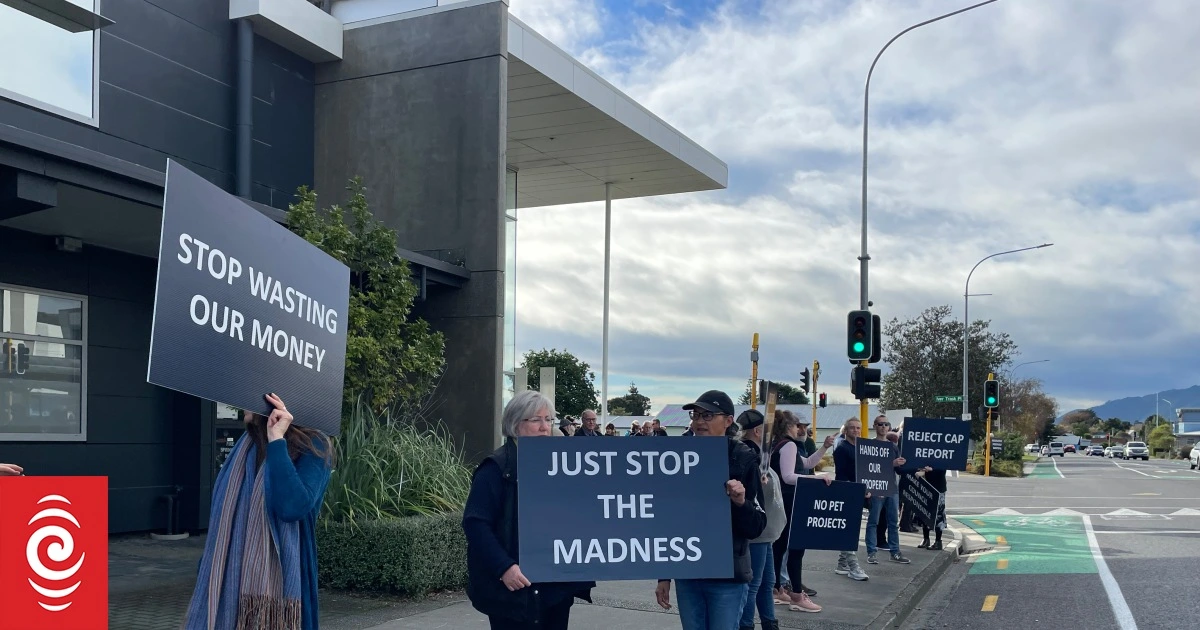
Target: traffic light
859	336
865	382
22	358
804	381
823	401
9	360
765	388
991	394
876	339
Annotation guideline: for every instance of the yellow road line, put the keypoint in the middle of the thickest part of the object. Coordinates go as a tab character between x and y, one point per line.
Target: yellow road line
979	522
1001	540
989	603
1002	563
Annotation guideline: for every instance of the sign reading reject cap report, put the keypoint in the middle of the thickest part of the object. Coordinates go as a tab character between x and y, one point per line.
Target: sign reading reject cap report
244	307
939	444
601	509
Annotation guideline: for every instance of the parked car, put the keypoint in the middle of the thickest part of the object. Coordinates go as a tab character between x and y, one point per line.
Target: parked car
1055	448
1032	449
1194	457
1097	450
1045	450
1136	450
1117	452
1070	448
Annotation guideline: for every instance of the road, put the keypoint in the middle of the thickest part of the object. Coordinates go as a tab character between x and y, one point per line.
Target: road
1083	542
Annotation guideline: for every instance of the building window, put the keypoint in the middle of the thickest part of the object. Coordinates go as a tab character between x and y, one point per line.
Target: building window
43	359
57	69
510	284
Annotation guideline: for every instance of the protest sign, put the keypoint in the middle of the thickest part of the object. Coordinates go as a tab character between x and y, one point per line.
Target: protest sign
873	463
603	509
920	496
826	517
243	307
939	444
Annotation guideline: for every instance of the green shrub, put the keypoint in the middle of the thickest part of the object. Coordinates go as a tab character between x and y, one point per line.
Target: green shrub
407	556
388	468
1000	467
1185	452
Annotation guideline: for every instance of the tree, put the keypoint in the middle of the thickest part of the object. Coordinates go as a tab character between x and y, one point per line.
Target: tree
574	382
787	394
1086	417
392	358
1161	439
632	403
1026	409
925	357
1081	430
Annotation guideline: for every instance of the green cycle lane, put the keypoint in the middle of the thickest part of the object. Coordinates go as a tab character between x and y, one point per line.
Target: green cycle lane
1037	545
1045	470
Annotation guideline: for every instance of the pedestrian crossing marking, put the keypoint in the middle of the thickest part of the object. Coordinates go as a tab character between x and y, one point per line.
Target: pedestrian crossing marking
1186	512
1003	512
989	603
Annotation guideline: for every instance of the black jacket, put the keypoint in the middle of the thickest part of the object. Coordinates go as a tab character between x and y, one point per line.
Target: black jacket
490	523
749	519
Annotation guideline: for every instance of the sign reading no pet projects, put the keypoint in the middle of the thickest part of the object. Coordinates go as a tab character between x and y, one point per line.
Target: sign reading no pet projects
244	307
596	508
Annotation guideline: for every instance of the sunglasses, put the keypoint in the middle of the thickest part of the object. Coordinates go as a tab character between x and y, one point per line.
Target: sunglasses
883	424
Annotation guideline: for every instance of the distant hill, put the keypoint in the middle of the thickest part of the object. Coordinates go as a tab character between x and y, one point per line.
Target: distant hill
1137	408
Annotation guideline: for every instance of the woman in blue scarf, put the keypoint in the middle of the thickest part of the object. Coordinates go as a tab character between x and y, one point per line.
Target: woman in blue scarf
259	569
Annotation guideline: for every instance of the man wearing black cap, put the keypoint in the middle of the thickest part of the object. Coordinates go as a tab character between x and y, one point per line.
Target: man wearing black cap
717	604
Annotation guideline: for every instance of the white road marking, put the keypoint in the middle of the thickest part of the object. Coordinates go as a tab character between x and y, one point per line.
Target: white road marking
1115	597
1150	531
1136	471
1056	499
1060	475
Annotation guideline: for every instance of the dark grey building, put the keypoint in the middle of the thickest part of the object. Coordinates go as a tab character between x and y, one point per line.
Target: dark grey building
455	115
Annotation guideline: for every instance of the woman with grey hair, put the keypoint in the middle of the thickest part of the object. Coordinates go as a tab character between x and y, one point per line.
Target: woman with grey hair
495	584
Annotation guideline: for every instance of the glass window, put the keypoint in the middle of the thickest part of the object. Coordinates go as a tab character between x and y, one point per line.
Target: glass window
47	66
42	359
510	281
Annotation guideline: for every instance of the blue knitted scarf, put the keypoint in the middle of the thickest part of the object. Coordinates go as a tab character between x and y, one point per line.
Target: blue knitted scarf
249	576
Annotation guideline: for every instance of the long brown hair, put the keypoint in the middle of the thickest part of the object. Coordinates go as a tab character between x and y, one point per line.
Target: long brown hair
300	440
779	428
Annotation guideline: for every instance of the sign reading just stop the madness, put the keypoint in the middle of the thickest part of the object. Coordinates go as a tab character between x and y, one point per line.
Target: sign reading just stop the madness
601	509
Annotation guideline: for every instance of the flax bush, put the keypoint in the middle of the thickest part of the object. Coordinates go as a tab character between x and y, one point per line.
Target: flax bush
392	466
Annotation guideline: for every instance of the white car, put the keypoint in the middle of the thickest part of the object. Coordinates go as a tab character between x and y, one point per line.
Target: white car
1055	448
1194	458
1136	450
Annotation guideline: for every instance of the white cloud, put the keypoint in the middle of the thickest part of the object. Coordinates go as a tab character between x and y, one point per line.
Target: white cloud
1013	125
566	23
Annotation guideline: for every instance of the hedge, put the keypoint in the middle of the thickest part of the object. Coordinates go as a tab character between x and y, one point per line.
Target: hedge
407	556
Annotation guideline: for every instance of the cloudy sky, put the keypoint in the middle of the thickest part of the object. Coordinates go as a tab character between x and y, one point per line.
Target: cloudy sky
1018	123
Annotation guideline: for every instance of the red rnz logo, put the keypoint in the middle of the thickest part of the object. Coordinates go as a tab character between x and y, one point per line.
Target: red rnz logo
54	552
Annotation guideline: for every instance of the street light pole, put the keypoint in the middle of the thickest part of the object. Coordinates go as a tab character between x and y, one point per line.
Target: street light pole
863	257
966	407
1014	370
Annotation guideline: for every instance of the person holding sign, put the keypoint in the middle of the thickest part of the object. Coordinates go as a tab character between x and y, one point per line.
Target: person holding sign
843	463
259	569
885	507
495	584
937	479
759	593
717	604
791	460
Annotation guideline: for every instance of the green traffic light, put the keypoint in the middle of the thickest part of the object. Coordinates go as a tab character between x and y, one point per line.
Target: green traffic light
991	400
859	346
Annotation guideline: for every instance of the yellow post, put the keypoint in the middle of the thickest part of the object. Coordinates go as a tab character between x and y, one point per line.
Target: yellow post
754	373
987	438
863	411
816	374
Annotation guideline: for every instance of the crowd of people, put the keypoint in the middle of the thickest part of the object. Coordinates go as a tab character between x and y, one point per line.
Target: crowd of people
764	470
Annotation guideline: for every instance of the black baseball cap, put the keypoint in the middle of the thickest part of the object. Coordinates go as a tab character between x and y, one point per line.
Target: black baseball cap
712	400
750	418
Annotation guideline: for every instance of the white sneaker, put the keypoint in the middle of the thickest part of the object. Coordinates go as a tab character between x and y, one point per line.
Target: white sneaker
856	573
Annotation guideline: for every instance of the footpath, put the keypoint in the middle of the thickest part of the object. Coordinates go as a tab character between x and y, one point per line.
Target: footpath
150	584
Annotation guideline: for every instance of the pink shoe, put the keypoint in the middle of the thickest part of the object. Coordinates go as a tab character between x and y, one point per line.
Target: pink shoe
801	603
